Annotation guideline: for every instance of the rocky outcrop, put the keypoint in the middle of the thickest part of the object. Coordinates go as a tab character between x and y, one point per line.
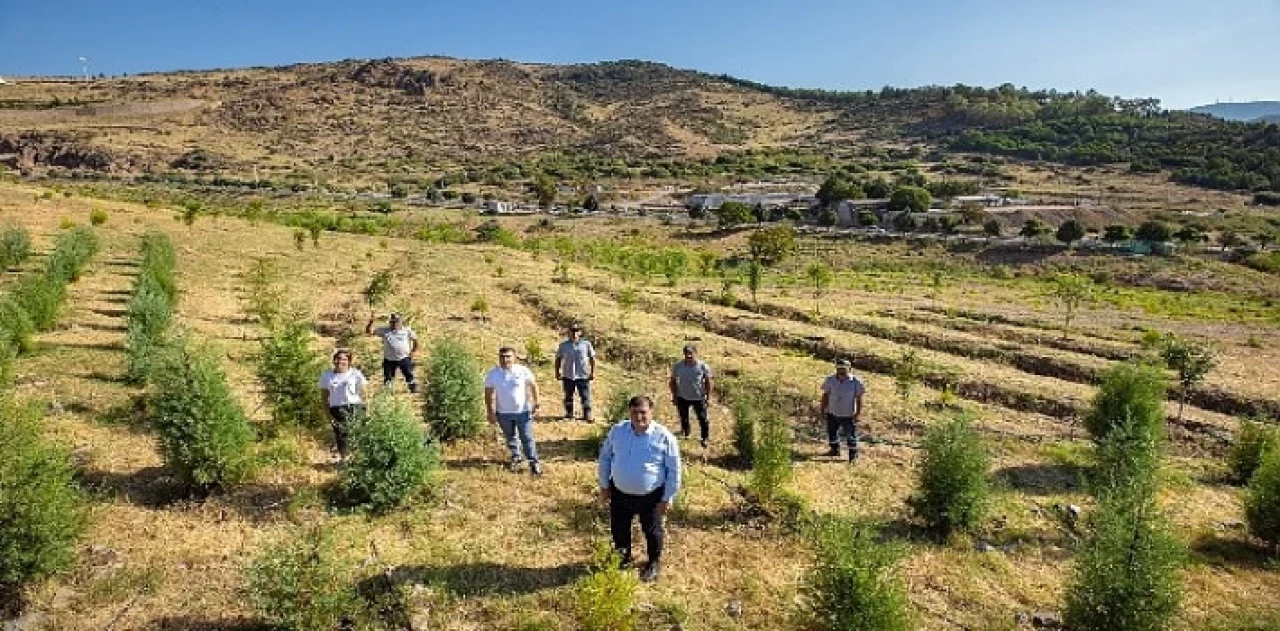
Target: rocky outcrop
31	151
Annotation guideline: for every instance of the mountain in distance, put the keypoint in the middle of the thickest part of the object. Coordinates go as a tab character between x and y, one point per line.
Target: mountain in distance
1248	111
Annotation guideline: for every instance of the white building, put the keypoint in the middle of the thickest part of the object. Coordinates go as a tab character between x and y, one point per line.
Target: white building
495	207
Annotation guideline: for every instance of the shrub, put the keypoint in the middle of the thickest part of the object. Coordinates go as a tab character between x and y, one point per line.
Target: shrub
42	514
771	462
605	597
1127	575
266	301
15	246
907	373
1262	502
204	434
953	491
390	461
41	297
851	585
97	217
454	408
148	317
1130	393
1253	441
8	353
71	252
15	325
533	353
379	288
1191	360
299	584
160	262
288	367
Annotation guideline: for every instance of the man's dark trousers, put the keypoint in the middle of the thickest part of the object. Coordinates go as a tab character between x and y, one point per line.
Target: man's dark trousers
389	367
850	427
623	508
699	409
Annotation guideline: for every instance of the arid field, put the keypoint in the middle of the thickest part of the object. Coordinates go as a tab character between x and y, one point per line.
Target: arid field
486	548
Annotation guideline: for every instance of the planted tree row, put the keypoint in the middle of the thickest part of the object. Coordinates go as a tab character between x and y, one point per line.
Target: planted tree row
1210	398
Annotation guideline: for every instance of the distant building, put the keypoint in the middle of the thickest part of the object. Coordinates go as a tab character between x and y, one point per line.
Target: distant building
495	207
986	201
847	210
713	201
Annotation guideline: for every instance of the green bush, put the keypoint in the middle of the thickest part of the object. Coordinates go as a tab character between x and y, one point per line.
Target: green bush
147	320
41	297
953	490
204	434
8	353
1127	575
97	216
605	598
390	461
42	513
15	246
288	369
265	298
454	407
16	325
71	252
771	462
300	585
851	585
1252	442
160	262
744	411
1262	502
1130	393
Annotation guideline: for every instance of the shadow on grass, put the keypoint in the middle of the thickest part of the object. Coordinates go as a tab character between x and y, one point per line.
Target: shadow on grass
1232	551
479	579
114	347
193	623
117	292
107	377
1042	479
110	313
149	487
106	328
587	448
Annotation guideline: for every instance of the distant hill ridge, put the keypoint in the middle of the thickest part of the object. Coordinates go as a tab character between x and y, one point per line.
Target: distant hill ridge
1245	111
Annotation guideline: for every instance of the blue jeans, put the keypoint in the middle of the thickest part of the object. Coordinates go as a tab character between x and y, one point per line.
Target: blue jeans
583	388
837	423
520	423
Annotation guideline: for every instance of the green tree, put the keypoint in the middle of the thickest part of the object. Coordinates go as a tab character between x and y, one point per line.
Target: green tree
1154	232
731	214
1130	397
1069	291
390	462
1070	231
755	275
301	585
905	222
953	491
992	228
42	512
1035	229
911	199
544	188
879	188
836	189
1262	500
454	408
1116	233
1190	234
851	584
908	370
771	246
820	278
287	367
1191	360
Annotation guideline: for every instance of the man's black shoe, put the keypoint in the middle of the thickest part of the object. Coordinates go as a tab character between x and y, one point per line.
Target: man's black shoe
853	457
516	461
650	573
834	452
535	468
625	562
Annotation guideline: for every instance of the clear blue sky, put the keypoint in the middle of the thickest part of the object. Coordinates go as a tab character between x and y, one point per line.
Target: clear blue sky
1182	51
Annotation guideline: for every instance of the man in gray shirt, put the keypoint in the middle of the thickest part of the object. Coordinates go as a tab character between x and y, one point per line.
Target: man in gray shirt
399	343
690	385
576	367
842	404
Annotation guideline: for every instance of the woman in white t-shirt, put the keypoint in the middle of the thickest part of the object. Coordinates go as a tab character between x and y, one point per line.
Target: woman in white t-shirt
343	389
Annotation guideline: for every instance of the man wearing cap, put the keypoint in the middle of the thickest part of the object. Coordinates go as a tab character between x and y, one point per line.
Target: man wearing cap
842	404
639	475
399	343
511	398
576	366
690	385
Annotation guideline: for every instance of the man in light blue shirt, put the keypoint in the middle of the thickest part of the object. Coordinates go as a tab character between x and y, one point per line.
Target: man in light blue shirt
639	474
576	367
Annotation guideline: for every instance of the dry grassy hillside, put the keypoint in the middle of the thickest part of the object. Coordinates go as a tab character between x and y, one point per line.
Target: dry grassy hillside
422	111
491	549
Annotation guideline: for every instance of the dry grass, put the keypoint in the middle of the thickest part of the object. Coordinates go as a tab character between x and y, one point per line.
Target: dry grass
493	548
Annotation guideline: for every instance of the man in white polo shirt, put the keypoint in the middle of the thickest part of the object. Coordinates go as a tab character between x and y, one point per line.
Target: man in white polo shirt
842	404
511	398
